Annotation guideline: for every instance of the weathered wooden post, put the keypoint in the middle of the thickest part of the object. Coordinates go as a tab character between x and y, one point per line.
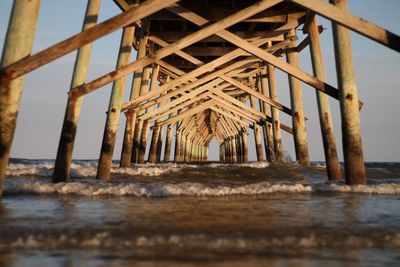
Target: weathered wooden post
136	140
324	112
62	166
348	97
239	147
145	133
157	135
182	148
269	140
296	99
143	142
245	147
192	151
114	108
177	144
127	146
154	144
18	44
275	112
227	151
186	155
137	137
233	146
160	144
257	133
168	143
221	153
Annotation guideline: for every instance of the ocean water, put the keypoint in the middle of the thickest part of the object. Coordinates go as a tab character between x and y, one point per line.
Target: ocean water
254	214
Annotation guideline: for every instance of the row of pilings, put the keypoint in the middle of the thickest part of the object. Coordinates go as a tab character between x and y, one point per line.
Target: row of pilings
192	145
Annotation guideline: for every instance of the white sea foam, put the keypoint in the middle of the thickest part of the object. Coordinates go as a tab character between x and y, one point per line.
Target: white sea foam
159	189
44	168
190	241
87	169
255	165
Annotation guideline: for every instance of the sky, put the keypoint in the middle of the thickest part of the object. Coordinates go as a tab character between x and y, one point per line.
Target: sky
377	71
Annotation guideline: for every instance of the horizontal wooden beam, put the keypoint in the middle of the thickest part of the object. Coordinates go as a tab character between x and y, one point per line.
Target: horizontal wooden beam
216	13
173	36
209	51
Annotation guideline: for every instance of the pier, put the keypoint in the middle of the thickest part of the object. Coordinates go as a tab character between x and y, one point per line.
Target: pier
204	70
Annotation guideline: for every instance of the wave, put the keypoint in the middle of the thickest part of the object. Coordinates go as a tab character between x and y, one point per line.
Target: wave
259	243
165	189
88	168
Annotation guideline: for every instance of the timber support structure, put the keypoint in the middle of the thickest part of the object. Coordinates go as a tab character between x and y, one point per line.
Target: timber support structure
200	76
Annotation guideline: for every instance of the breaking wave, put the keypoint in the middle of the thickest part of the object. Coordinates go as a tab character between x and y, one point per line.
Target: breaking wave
164	189
196	241
88	168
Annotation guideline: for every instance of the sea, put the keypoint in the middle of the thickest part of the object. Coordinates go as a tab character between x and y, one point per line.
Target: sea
210	214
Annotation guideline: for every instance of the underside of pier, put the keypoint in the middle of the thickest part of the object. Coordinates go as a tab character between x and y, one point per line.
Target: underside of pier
204	70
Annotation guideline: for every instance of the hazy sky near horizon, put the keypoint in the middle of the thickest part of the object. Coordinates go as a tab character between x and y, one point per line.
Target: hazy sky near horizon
377	70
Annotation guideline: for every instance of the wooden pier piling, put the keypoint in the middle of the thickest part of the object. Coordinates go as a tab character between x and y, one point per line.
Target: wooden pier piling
137	137
296	99
62	166
349	109
212	77
266	109
324	112
275	113
18	45
168	143
114	108
131	118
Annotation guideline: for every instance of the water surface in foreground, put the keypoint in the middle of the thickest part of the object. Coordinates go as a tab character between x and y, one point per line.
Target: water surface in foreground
186	215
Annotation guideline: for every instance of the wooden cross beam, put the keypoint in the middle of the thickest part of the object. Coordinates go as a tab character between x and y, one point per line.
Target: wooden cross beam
352	22
87	36
213	64
260	53
172	48
226	114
